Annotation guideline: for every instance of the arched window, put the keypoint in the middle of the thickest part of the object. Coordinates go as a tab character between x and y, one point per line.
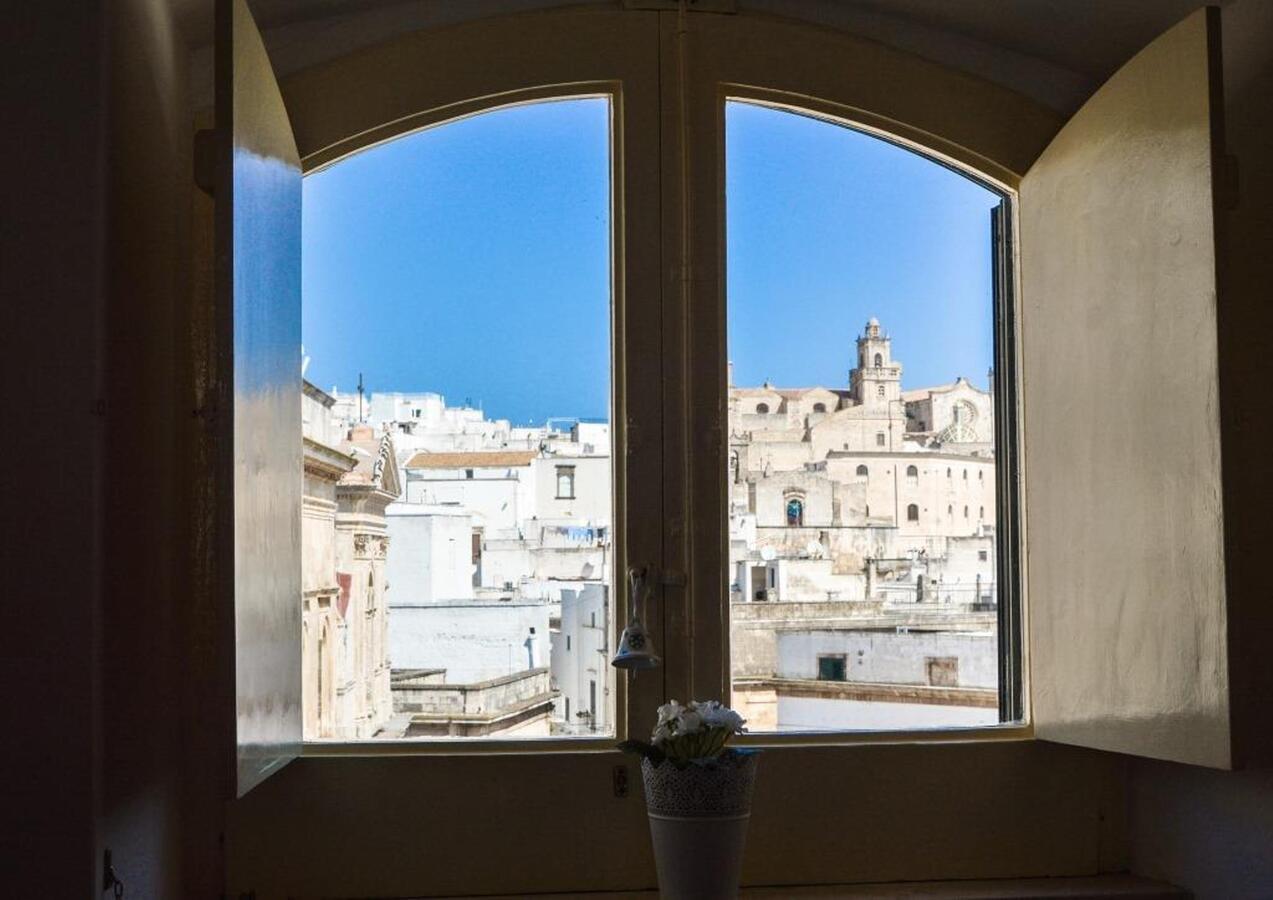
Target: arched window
879	391
862	471
762	408
795	512
912	513
565	482
912	472
819	407
879	360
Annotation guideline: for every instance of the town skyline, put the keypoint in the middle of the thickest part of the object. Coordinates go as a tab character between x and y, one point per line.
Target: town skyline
475	259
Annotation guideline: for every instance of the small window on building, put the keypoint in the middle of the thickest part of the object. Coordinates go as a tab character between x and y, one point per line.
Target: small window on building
950	510
868	511
567	643
981	476
565	482
592	700
468	473
832	668
912	513
912	472
863	472
965	474
948	473
879	439
762	408
879	391
965	512
567	709
983	555
981	512
795	512
819	407
879	361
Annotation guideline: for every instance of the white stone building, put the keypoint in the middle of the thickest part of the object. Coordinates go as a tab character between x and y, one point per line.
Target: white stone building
862	507
499	536
347	484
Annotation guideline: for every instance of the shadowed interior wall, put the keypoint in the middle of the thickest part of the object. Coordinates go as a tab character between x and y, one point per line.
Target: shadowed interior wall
156	803
145	597
1212	831
52	280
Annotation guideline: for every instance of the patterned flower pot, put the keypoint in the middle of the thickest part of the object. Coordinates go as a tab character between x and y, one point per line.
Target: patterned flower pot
698	824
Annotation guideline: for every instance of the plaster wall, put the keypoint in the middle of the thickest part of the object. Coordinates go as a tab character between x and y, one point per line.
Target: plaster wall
430	555
592	499
473	641
499	499
889	658
587	661
817	714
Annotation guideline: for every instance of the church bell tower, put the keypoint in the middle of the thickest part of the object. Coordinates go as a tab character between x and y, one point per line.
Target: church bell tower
877	380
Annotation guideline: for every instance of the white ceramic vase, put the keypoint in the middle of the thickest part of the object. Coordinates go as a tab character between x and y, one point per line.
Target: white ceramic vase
698	825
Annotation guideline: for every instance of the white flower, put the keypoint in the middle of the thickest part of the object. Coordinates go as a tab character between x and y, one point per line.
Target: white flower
669	712
662	734
690	722
717	716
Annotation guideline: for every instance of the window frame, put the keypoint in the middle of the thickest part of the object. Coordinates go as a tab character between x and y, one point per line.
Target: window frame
567	472
706	193
703	673
623	415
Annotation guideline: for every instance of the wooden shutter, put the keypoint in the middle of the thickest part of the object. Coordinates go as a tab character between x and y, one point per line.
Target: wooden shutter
258	223
1125	562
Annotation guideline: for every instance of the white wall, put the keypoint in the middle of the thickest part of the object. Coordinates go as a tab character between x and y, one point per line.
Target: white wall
889	657
587	659
500	499
430	553
819	714
472	640
591	502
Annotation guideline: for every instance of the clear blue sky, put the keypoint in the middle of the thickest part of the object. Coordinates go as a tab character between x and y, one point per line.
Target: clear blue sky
473	260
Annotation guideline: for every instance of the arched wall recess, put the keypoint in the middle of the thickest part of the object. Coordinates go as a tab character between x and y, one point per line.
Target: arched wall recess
408	82
375	94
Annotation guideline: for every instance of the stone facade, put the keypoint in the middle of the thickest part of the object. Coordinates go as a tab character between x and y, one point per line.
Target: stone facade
857	509
344	657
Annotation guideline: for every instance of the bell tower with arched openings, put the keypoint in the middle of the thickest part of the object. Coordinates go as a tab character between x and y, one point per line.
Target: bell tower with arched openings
877	380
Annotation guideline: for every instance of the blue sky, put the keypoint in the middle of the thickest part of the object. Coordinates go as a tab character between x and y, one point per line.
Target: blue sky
473	259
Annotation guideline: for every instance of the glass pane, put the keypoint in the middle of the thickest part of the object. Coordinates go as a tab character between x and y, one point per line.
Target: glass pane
862	462
457	511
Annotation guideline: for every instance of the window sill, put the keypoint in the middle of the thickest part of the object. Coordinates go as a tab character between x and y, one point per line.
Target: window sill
562	745
1088	887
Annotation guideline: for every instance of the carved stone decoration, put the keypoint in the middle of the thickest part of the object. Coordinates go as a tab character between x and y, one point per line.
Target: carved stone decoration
382	459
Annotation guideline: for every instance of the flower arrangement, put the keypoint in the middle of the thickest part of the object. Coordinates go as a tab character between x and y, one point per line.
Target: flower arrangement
695	733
